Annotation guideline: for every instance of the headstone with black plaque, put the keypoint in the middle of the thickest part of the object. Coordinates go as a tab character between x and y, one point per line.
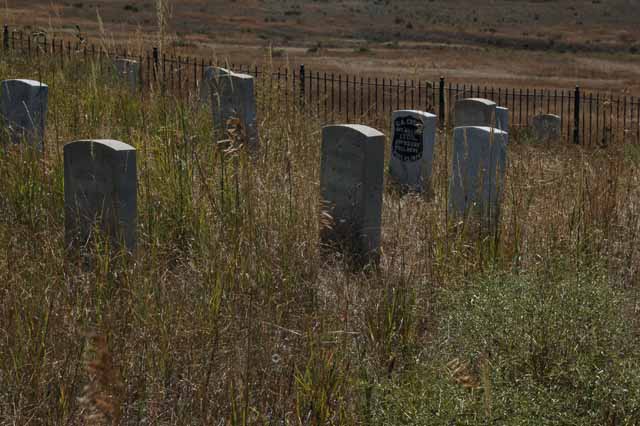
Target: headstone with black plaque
413	135
351	185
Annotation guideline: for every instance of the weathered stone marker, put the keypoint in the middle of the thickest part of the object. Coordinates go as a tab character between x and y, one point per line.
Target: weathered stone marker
231	95
23	106
351	184
546	127
413	135
502	118
475	112
100	192
478	166
129	71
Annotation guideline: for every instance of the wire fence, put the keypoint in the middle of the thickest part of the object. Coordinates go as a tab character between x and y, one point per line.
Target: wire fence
589	118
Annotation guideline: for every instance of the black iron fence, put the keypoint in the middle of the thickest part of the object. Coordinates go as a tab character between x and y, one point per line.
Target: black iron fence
588	117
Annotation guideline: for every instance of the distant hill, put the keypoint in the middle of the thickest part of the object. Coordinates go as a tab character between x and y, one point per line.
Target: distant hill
595	43
587	24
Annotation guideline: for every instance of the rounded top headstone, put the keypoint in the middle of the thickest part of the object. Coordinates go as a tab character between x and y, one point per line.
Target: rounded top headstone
415	112
217	72
127	60
549	116
241	75
487	102
106	143
484	129
359	128
25	81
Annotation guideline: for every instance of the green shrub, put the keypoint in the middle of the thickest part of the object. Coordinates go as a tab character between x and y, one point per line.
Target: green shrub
535	349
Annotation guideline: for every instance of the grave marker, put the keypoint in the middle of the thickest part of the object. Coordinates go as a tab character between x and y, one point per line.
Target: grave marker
546	127
478	166
413	135
23	106
129	71
351	185
475	112
502	118
100	191
231	95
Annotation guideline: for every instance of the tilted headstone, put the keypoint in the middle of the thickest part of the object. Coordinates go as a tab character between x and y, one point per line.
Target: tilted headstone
231	96
546	127
129	71
607	137
100	192
478	166
475	112
23	106
351	184
413	135
502	118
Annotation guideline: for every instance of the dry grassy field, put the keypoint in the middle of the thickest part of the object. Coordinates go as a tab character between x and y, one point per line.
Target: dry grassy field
229	313
550	44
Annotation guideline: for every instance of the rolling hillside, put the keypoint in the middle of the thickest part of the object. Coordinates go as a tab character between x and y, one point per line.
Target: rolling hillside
536	43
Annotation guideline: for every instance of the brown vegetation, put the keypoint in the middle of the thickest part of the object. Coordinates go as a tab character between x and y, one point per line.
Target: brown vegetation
524	43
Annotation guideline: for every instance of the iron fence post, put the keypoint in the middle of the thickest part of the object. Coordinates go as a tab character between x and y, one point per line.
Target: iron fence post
302	90
576	116
441	106
5	37
156	64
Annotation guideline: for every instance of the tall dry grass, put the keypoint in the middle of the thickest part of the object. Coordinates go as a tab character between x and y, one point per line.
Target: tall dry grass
227	313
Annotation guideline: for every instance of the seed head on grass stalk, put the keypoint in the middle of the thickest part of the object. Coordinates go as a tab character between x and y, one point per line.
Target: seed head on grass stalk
164	13
101	398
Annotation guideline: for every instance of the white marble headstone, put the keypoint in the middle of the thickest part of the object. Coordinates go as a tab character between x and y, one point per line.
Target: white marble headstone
546	127
129	71
23	106
413	135
231	95
100	192
502	118
351	185
475	112
478	167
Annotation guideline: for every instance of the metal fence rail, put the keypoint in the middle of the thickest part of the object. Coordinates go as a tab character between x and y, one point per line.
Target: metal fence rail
588	118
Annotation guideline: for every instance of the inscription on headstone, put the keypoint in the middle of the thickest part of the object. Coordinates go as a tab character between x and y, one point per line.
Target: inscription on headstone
100	192
351	185
475	112
478	167
407	139
413	138
546	127
23	106
231	96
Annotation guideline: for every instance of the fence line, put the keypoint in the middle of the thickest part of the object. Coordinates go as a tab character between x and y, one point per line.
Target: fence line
588	118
